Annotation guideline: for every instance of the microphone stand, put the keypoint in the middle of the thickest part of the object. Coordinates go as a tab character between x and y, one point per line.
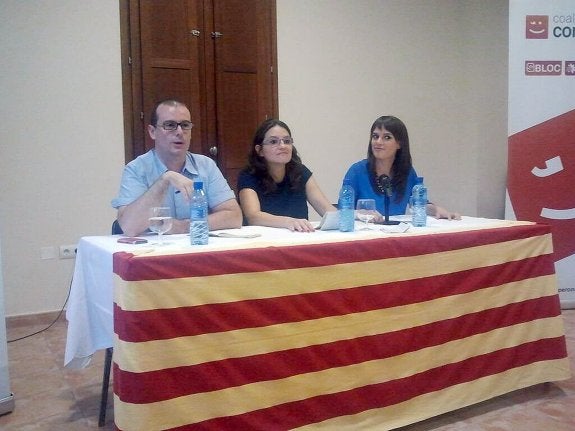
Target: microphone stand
388	192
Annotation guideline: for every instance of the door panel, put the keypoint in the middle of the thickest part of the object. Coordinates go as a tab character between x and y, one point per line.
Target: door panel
236	49
171	58
243	78
237	121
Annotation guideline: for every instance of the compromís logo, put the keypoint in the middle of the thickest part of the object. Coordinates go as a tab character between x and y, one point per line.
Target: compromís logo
537	27
540	177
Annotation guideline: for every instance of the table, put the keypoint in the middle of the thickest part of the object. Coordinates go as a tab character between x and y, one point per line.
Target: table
327	330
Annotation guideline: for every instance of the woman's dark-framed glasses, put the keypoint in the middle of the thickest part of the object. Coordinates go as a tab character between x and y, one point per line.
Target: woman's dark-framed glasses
276	141
171	125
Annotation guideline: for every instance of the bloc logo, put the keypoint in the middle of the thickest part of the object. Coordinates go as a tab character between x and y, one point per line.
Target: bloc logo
534	67
537	27
541	174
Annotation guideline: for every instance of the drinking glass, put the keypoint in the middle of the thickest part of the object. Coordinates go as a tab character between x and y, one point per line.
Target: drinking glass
160	222
366	211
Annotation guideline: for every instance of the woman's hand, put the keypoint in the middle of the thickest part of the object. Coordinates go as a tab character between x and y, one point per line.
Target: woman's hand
298	225
377	217
440	212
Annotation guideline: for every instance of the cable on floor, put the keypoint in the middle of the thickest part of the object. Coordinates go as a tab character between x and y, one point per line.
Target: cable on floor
51	324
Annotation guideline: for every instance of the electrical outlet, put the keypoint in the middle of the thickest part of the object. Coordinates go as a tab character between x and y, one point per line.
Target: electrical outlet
68	251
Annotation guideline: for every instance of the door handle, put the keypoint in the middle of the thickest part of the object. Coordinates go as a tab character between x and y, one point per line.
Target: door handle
195	33
216	34
213	151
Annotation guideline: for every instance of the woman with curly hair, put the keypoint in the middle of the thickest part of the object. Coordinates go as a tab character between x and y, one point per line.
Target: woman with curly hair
275	187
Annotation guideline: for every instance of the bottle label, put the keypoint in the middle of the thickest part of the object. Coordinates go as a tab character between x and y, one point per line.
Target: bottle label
199	213
199	232
419	215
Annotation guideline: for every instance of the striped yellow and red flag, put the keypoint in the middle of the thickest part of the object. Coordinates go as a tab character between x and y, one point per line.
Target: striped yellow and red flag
370	334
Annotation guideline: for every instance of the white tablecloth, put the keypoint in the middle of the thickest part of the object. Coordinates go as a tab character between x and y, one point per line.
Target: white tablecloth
90	307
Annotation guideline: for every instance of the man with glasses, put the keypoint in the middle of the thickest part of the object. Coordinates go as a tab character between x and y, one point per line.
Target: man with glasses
165	175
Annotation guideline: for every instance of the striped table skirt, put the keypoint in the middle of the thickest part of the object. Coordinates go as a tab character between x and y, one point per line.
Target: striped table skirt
366	334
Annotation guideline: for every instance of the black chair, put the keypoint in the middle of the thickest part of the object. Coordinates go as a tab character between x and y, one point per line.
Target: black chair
116	229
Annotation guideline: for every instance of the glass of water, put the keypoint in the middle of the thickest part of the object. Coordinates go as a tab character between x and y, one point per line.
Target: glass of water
160	221
366	211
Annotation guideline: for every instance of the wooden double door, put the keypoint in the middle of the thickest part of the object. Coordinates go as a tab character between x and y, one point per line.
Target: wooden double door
217	56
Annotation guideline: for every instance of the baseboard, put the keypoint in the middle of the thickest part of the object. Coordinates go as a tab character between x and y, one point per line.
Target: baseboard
32	319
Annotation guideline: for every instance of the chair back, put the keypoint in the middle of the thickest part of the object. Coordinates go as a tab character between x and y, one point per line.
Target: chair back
116	229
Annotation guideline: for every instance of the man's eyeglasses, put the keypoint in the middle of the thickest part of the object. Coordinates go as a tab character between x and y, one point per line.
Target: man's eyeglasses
171	125
276	141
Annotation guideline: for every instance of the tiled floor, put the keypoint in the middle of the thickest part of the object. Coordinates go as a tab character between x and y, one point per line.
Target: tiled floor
49	397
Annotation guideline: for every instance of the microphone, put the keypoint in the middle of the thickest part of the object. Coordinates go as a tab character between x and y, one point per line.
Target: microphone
385	182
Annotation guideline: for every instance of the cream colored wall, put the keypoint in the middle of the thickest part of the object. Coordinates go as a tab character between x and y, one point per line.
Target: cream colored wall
61	139
440	65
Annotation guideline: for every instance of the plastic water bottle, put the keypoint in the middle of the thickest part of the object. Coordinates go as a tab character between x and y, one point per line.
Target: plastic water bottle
199	216
346	206
419	196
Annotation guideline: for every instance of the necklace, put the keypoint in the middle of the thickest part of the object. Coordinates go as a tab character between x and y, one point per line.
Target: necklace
383	183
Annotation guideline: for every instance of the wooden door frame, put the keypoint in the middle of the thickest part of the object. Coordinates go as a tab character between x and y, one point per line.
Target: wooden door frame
134	139
130	81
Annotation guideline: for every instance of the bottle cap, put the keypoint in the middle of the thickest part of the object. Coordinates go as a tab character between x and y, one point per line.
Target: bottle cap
347	181
198	185
419	180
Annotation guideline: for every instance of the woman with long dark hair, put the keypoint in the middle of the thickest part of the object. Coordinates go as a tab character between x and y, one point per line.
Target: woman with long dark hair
389	164
275	187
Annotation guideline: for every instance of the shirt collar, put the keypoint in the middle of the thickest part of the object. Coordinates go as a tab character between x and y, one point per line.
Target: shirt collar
190	166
